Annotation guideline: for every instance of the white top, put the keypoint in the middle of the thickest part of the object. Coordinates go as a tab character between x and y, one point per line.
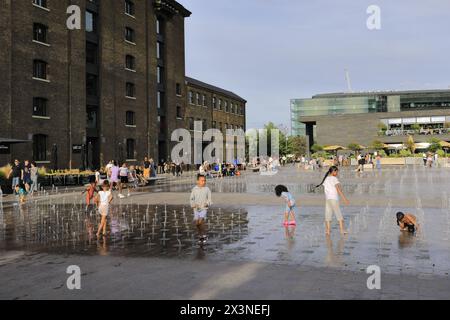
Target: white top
330	188
104	197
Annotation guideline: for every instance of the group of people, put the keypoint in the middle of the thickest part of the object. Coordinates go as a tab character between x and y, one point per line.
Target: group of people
333	193
221	169
430	160
24	178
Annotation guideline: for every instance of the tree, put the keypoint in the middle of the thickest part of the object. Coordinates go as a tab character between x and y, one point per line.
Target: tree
434	145
377	145
354	147
316	148
284	147
296	146
410	144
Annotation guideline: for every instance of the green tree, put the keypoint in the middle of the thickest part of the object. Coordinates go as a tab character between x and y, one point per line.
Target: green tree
377	145
296	146
410	144
434	145
316	148
354	147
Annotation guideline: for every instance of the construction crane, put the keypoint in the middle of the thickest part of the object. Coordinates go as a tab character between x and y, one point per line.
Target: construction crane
349	83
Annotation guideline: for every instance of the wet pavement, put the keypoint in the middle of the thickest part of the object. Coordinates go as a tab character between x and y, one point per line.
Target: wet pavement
248	232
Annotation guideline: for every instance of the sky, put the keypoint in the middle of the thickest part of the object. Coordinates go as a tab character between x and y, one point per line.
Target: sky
272	51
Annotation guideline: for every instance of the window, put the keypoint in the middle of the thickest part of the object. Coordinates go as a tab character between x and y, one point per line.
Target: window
179	113
91	53
40	69
130	90
40	3
214	102
160	99
39	107
205	104
130	118
129	7
220	104
130	149
40	32
39	147
91	22
130	62
159	75
91	85
232	108
198	99
129	35
226	107
92	117
159	50
178	89
191	97
159	26
191	123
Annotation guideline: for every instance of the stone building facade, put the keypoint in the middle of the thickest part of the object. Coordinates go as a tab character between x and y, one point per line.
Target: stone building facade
115	89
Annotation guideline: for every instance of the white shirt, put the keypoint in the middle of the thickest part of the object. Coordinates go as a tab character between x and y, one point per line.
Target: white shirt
104	197
330	188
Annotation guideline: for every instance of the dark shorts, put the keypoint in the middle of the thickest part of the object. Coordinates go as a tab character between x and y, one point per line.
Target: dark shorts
124	179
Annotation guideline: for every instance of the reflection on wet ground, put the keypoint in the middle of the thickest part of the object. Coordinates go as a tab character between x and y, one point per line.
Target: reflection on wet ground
252	232
134	230
246	234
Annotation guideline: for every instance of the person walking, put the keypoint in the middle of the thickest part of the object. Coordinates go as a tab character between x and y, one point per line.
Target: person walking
16	173
34	177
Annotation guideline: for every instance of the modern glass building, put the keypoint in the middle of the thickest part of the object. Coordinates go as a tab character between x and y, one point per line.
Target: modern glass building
385	107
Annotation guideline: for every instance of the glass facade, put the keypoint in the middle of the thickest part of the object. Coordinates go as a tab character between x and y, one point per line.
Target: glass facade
332	106
360	103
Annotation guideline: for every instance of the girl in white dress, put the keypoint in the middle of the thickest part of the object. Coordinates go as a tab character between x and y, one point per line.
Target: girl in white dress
103	200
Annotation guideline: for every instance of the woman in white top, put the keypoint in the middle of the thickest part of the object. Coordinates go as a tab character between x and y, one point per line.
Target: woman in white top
103	201
333	190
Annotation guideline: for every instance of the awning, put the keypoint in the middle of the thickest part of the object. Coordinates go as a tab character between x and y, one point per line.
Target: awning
13	141
395	146
423	145
444	144
424	120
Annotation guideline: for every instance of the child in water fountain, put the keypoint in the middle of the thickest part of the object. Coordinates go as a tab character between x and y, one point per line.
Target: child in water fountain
200	203
103	200
282	191
407	222
22	194
90	191
333	190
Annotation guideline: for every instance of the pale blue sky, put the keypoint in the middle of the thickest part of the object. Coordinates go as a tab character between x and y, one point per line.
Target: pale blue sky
270	51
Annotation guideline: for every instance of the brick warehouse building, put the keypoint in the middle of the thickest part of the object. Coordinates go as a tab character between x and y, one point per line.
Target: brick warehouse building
115	89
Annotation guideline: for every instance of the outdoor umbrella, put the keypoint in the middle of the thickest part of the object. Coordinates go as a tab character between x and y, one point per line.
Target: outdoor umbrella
334	148
444	144
55	157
